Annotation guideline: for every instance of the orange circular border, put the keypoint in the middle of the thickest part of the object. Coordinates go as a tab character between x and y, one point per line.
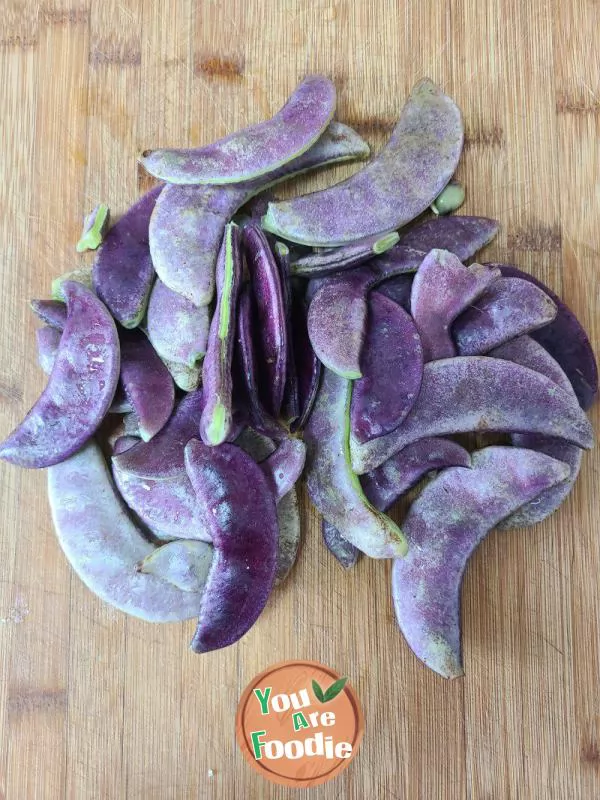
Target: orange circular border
270	774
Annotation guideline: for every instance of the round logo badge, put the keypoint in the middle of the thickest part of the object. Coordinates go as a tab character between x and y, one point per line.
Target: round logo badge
299	723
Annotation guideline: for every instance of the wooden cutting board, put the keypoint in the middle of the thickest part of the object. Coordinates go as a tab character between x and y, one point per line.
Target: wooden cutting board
94	706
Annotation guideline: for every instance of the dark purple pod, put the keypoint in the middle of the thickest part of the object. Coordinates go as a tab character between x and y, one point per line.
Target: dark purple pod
337	319
566	341
392	370
444	525
268	294
398	289
284	466
400	260
443	288
123	271
510	307
162	456
79	390
266	426
347	554
256	208
48	341
238	505
386	484
176	327
216	422
147	383
463	236
260	448
246	369
527	352
52	312
335	259
256	150
476	394
308	366
291	403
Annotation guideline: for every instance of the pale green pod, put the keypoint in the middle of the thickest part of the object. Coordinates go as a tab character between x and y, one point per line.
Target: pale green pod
82	275
449	199
184	563
95	226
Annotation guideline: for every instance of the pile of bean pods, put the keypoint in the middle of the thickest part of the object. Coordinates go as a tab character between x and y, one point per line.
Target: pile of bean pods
224	344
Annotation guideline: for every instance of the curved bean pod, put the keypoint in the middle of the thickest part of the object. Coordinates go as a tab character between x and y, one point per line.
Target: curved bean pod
80	388
444	526
104	547
394	188
254	151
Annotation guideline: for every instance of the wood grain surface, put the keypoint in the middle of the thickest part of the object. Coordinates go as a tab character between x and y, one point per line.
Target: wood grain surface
97	706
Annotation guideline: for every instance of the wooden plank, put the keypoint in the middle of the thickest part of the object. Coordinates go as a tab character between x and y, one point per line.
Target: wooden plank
18	93
98	687
96	705
577	79
523	651
51	73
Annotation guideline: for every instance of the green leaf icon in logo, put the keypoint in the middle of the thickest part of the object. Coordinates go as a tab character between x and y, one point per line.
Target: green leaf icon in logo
318	691
333	691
